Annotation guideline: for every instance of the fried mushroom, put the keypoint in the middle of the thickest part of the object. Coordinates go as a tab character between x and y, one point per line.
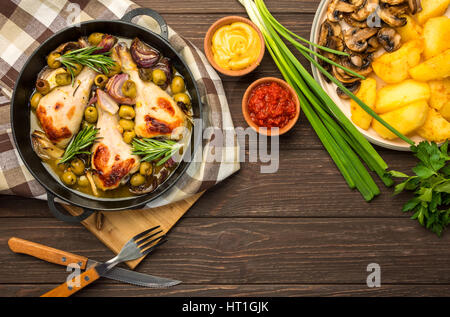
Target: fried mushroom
391	15
337	8
353	87
389	39
368	7
356	39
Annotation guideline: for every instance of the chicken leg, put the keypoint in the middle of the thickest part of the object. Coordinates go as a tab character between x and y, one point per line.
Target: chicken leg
60	112
157	114
111	160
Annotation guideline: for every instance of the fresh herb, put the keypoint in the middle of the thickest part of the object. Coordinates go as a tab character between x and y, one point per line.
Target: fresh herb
86	56
152	149
431	186
79	143
345	144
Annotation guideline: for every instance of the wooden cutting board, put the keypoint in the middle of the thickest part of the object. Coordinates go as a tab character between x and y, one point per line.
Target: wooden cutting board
118	227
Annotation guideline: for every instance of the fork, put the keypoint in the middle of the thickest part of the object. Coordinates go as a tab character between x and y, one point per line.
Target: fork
138	246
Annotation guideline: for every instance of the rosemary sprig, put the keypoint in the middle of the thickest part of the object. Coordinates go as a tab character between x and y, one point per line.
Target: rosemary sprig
81	141
86	57
152	149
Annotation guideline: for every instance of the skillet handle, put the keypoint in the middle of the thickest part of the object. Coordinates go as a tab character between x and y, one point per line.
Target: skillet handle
151	13
56	211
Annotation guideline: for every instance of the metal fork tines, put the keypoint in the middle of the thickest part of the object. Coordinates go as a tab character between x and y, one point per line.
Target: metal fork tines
138	246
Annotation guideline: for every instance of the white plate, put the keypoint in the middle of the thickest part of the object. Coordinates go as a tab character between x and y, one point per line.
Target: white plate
344	105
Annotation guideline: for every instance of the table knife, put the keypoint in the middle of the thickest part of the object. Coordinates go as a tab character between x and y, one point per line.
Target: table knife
56	256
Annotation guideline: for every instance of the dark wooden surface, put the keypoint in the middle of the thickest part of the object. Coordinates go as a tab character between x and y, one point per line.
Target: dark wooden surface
300	231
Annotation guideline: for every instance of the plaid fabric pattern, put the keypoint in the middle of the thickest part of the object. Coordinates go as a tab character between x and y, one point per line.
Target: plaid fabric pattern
25	24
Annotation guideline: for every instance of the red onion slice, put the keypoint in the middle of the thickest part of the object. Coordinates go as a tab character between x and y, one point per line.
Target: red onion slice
114	89
144	55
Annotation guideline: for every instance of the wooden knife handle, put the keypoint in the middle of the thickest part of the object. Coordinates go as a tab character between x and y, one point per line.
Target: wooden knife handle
64	290
45	253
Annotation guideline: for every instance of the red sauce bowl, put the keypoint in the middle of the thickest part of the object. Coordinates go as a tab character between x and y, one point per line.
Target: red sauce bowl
246	98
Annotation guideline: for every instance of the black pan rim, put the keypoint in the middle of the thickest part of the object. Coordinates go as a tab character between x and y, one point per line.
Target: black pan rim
132	205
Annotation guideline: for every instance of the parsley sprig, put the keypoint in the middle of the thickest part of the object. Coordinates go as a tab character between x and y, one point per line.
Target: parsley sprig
431	186
79	143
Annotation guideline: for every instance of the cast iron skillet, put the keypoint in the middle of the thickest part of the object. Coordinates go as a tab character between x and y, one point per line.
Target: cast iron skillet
20	112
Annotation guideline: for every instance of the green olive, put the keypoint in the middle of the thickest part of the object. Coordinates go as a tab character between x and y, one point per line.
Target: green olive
77	166
159	77
177	85
83	181
63	79
69	178
76	69
95	38
53	60
128	136
126	124
114	70
62	167
146	168
129	89
145	74
137	180
127	112
42	86
34	102
100	81
85	124
182	97
91	114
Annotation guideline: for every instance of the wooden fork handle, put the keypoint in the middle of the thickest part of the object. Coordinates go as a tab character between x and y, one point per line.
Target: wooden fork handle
74	285
46	253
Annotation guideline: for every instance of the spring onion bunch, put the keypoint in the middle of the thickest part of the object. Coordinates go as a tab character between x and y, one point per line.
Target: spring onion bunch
345	144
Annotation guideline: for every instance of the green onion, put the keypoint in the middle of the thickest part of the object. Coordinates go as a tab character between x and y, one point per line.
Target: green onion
350	151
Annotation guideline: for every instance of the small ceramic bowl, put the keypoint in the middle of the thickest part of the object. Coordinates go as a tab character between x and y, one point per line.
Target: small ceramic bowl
246	98
208	43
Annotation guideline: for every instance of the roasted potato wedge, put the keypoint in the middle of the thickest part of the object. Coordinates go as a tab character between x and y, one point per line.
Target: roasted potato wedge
436	128
368	94
437	67
436	33
440	93
394	67
411	30
445	111
405	120
392	97
431	9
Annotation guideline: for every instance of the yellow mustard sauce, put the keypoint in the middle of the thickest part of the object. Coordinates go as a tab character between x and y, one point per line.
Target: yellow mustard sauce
236	46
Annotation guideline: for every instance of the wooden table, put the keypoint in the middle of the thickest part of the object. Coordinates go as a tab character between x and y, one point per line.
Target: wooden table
300	231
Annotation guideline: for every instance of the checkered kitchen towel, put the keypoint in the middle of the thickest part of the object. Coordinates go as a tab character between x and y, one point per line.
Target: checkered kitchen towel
25	24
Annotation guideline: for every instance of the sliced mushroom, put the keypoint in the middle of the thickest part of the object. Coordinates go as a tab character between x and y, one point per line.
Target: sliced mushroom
336	9
357	3
356	39
353	87
365	11
391	15
393	2
389	39
358	63
414	6
354	23
374	45
44	148
342	76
